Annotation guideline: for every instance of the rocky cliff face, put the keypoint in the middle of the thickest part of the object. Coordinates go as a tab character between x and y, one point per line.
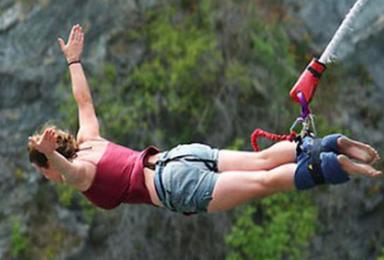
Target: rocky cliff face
31	67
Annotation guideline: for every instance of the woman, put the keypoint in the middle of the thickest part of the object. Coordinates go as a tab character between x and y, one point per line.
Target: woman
189	178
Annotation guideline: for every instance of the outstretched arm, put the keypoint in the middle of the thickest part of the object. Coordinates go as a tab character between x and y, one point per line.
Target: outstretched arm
72	50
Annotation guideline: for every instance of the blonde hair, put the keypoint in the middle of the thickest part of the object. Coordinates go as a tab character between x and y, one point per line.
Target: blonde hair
66	142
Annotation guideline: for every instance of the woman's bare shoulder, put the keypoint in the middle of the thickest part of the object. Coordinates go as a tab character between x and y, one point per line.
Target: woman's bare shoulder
88	141
91	151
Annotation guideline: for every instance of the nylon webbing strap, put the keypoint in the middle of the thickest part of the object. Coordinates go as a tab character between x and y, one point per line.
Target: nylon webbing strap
315	165
159	178
210	164
314	72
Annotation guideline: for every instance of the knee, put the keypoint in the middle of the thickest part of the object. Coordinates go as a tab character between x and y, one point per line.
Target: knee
259	180
262	160
266	180
275	182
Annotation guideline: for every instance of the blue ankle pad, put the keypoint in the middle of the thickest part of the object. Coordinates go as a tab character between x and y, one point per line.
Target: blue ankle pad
303	179
330	167
329	143
332	171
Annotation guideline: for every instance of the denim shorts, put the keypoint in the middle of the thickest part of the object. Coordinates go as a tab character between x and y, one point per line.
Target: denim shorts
185	177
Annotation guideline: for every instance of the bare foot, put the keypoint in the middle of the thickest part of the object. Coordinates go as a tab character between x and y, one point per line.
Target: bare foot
352	167
357	150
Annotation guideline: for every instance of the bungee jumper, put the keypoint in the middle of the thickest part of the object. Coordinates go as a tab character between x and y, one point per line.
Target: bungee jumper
190	178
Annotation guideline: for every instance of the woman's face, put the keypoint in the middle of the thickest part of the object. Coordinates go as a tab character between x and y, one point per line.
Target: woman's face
50	174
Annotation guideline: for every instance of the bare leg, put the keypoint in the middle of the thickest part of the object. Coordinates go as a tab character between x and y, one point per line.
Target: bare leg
234	188
357	150
352	167
276	155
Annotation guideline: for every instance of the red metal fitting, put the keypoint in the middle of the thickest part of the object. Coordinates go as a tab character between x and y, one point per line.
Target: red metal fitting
308	81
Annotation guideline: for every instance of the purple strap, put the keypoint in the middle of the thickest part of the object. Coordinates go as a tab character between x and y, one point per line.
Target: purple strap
305	111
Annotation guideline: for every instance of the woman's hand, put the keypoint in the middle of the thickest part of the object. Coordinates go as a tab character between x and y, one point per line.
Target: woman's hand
46	144
74	47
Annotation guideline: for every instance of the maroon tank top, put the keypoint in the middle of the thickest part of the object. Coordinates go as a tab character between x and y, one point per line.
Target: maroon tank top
119	177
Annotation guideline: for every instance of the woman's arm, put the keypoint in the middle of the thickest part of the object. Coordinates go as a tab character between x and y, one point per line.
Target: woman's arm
73	173
89	126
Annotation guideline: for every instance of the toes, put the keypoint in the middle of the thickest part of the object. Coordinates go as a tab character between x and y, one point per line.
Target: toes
376	173
372	154
375	157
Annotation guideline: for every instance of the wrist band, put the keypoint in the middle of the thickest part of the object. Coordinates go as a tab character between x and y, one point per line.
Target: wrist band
73	62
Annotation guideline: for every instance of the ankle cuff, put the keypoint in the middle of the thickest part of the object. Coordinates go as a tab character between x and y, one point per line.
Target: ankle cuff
329	143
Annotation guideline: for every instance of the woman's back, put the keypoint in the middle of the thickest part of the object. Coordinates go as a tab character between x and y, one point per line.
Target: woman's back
89	154
117	173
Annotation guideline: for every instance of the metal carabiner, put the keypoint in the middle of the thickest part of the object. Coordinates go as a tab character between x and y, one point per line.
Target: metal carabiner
298	120
312	122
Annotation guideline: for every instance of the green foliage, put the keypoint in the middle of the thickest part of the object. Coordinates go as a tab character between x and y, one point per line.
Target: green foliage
68	197
19	175
170	93
381	256
28	5
271	50
239	75
323	127
19	240
278	227
237	144
59	240
68	106
66	194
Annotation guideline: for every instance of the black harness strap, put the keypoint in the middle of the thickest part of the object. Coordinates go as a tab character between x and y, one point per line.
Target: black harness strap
314	167
210	164
314	72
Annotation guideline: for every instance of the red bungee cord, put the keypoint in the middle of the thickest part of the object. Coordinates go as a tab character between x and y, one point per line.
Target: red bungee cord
273	137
